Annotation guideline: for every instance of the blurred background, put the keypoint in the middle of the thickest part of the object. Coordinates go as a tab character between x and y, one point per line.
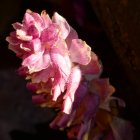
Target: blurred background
111	28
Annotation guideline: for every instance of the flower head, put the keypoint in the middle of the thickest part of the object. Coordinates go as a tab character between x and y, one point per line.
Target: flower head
61	69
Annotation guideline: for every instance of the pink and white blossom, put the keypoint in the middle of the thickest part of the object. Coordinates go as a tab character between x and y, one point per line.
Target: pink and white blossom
63	72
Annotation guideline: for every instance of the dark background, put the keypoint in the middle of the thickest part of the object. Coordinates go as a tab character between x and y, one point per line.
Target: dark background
110	28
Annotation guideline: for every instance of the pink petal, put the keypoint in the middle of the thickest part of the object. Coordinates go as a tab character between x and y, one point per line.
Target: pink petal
67	105
17	25
72	35
80	52
28	19
64	26
72	85
62	71
62	47
34	46
22	35
50	35
37	62
58	84
68	62
44	62
56	91
25	47
60	62
19	52
43	75
33	31
12	39
94	67
46	19
31	60
37	18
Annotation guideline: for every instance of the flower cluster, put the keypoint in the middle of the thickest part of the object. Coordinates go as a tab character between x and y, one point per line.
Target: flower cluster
63	72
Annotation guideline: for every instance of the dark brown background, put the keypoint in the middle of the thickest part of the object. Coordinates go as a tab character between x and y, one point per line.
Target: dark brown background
111	28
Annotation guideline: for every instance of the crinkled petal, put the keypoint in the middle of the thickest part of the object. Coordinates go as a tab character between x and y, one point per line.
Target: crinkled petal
62	71
80	52
93	69
28	19
43	75
12	39
58	84
34	46
62	47
15	48
60	62
17	25
49	35
56	90
64	26
37	62
22	35
72	35
34	31
25	47
46	19
72	85
38	19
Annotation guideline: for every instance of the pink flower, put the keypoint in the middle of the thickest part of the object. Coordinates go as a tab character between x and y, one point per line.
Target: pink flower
62	70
